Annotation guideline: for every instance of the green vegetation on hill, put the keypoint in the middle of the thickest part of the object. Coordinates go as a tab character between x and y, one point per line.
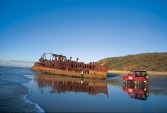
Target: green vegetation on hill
144	61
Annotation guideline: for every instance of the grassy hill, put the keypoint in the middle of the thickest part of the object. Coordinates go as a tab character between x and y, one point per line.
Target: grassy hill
144	61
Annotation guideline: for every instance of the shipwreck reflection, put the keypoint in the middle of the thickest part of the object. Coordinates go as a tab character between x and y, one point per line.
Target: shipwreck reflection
63	84
140	92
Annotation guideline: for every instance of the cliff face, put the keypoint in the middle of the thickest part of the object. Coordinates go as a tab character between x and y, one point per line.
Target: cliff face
144	61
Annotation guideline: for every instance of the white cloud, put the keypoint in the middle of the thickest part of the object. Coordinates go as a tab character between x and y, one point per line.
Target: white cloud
20	63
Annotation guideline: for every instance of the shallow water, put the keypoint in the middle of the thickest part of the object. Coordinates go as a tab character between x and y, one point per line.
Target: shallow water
13	93
66	94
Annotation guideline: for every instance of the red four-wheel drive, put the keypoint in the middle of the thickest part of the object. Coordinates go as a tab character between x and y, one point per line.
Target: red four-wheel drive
137	77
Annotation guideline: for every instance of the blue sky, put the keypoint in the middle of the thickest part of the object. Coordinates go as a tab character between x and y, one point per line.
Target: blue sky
86	29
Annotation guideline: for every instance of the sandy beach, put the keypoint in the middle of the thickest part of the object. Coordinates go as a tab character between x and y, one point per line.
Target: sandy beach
125	72
22	90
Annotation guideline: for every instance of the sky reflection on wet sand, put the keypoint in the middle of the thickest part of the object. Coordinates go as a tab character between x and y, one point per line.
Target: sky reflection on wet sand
58	94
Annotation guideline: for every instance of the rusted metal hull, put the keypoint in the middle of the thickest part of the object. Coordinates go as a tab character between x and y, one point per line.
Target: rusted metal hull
60	65
92	74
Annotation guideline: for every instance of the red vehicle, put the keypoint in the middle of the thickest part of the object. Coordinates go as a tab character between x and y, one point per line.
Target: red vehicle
137	77
136	91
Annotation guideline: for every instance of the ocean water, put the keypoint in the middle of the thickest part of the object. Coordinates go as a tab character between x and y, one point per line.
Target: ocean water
13	94
22	90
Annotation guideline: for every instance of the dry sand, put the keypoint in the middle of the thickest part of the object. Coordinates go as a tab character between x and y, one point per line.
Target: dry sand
125	72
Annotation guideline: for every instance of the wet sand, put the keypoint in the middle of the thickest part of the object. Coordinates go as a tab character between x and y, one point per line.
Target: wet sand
64	94
13	98
13	95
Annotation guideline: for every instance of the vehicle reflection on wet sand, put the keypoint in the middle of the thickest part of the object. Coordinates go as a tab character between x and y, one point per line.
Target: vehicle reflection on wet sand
65	84
136	91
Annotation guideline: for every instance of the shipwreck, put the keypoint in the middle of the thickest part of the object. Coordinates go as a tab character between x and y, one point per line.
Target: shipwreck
60	65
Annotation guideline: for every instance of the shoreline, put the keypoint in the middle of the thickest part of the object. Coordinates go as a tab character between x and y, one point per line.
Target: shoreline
25	98
13	90
126	72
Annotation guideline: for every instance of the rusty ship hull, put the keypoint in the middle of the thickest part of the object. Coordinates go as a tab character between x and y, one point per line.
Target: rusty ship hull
60	65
